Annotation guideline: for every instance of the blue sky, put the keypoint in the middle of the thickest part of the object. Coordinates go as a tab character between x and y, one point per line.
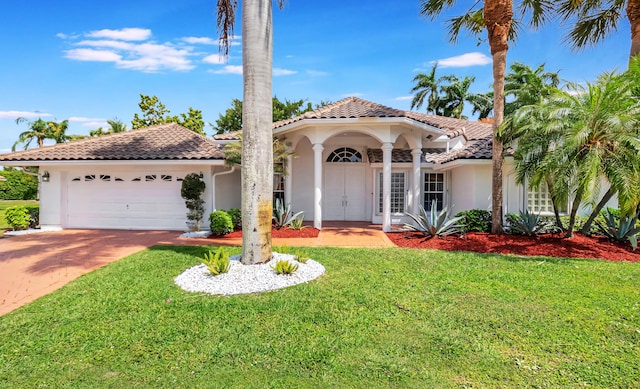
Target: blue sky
88	61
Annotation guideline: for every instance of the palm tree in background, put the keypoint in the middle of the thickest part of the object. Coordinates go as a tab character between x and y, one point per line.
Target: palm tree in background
456	93
39	130
427	87
526	86
116	125
496	18
579	135
257	151
482	104
595	19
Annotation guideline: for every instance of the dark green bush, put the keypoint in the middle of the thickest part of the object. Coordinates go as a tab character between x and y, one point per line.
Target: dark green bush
17	217
220	223
475	220
34	215
18	185
236	217
191	190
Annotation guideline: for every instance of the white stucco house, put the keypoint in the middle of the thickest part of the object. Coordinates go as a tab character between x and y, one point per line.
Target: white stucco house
354	161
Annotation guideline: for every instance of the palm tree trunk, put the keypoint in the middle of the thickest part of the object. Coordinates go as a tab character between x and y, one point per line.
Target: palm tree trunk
257	151
574	211
498	15
605	199
633	13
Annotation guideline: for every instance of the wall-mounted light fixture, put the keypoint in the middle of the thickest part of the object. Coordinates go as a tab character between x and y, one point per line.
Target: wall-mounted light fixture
45	176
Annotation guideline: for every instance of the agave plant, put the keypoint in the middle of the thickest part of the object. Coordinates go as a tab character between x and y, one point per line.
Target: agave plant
217	262
434	223
620	228
528	223
283	216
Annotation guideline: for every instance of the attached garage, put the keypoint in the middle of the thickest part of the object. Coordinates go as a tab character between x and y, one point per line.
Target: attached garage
146	199
130	180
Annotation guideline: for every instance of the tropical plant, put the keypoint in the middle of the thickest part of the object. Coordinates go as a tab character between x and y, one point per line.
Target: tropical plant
482	104
578	136
427	86
285	267
497	18
301	256
475	220
217	262
529	223
236	218
40	131
283	215
455	94
281	152
596	19
191	191
257	111
220	223
434	223
297	223
155	113
620	228
17	217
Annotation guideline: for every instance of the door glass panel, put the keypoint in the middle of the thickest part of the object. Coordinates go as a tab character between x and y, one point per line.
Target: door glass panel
397	192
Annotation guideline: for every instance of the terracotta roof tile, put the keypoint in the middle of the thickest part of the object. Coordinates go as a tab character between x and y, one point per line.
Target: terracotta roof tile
164	142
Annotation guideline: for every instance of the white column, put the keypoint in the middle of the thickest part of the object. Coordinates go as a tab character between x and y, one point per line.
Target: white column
386	186
317	184
416	154
288	182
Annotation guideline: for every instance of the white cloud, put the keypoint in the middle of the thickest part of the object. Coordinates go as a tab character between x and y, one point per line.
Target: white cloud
125	34
283	72
464	60
199	40
80	119
93	55
403	98
229	69
22	114
316	73
215	59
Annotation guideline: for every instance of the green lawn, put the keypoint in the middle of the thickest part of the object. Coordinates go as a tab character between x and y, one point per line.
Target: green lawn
378	318
4	204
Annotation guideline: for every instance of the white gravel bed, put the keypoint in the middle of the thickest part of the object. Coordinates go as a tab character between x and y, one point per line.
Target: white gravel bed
196	234
247	278
32	231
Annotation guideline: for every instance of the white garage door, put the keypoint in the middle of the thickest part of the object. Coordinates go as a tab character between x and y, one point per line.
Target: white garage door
115	200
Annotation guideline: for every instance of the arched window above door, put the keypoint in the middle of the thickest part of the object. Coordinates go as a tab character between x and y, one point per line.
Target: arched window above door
345	154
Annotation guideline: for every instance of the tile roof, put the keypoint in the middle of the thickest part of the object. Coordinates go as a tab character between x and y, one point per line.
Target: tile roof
164	142
477	149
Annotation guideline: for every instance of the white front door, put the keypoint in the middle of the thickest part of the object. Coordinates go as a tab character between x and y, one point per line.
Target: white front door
344	192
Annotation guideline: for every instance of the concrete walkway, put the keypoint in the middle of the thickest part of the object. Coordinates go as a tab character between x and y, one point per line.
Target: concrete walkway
34	265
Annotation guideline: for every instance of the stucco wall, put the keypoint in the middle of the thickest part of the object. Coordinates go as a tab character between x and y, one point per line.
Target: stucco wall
470	188
301	178
227	189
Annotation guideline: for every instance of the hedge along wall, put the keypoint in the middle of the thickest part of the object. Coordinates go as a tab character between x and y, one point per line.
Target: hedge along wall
17	185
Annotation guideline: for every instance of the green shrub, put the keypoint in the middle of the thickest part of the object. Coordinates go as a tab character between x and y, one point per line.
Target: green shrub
18	185
285	267
236	218
34	216
17	217
434	223
220	223
301	256
217	262
191	191
475	220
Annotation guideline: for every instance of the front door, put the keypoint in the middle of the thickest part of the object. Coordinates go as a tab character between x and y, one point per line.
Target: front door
344	192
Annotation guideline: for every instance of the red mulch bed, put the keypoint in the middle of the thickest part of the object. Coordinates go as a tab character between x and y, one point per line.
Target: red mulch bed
579	246
281	233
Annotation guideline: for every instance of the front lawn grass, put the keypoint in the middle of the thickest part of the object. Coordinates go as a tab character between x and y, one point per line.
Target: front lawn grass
378	318
4	204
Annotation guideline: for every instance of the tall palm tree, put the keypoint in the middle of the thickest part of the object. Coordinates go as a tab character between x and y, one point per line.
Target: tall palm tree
526	86
580	135
595	19
38	130
482	104
116	125
427	86
496	17
58	131
257	151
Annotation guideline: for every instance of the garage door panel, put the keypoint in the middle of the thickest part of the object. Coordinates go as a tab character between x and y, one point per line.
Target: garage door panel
125	200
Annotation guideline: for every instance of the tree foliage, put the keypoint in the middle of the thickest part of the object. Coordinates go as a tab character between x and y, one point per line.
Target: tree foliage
231	120
17	185
154	112
39	130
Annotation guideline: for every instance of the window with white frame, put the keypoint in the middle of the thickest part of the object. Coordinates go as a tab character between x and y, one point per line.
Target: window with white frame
278	187
433	189
398	198
540	201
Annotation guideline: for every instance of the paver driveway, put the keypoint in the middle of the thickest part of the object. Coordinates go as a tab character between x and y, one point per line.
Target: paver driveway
34	265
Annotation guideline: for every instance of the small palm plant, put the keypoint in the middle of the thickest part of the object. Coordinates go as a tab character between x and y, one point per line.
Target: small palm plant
217	262
434	223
